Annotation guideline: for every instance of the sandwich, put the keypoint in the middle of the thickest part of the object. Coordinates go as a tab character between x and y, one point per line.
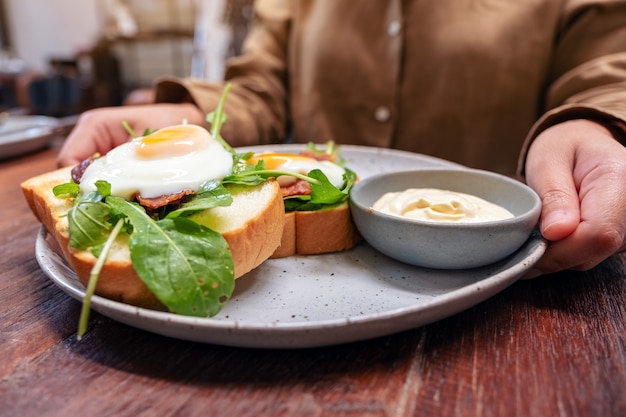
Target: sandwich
124	223
170	219
159	256
317	214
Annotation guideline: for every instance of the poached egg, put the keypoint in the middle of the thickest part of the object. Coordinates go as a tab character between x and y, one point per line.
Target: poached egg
167	161
299	164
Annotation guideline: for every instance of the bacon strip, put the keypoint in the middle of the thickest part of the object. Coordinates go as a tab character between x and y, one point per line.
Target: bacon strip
79	170
150	203
163	200
300	187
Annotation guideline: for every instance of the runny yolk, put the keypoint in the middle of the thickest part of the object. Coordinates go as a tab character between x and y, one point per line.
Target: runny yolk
173	141
277	160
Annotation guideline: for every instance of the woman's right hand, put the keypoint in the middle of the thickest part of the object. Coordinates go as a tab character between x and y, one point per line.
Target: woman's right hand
102	129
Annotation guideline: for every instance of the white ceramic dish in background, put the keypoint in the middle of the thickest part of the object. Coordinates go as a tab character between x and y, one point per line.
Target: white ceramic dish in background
446	245
22	134
310	301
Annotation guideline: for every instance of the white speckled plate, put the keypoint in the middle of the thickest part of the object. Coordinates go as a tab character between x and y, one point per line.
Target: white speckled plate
308	301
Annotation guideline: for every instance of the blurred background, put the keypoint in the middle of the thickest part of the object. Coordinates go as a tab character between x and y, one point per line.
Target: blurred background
61	57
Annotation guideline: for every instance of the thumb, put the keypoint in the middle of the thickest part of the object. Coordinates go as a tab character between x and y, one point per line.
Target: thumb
560	212
552	179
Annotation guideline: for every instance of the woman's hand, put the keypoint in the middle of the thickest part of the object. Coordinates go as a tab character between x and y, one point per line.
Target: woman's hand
579	171
100	130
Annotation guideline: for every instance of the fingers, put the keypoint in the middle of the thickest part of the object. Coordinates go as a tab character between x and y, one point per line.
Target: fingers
589	245
97	131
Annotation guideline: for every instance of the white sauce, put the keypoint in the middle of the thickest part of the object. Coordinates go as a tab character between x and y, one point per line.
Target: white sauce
437	205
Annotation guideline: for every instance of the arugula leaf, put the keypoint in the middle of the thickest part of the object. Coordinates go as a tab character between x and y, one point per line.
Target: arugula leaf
187	266
103	187
129	129
217	118
69	189
88	221
132	133
249	174
93	278
323	193
211	194
294	203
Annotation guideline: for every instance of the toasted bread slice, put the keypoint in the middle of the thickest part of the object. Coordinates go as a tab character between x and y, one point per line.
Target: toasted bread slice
316	232
252	226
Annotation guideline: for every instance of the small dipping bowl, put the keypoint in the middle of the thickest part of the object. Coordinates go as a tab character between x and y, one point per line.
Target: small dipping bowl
446	245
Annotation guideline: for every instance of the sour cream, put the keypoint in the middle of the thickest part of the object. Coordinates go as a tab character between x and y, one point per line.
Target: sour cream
432	204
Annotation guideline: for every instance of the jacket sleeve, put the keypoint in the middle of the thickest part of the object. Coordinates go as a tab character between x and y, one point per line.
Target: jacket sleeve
257	101
587	79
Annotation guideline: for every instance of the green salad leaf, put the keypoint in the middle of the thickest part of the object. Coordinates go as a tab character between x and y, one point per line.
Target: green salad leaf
186	265
217	118
93	278
132	133
323	193
326	193
211	194
68	189
88	224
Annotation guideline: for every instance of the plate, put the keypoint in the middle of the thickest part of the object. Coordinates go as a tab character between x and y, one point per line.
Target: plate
321	300
23	134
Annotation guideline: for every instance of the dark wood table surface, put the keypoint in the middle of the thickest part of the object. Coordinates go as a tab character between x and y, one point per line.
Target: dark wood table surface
554	346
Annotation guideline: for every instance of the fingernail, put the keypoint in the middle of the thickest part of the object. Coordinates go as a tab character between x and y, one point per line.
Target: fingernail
532	273
551	219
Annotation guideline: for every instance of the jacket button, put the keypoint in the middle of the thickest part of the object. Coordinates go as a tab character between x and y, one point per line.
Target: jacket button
394	28
382	114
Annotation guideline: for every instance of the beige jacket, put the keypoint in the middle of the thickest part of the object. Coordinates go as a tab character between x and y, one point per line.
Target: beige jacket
464	80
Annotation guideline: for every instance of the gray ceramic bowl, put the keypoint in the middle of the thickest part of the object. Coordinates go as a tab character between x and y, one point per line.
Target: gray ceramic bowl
446	245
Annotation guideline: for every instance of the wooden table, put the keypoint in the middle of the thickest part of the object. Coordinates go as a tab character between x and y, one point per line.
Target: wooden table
555	346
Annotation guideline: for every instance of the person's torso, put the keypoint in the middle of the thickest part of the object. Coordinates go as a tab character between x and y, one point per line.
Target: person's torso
457	79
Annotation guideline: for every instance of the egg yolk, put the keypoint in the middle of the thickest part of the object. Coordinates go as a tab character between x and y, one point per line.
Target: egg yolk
298	164
173	141
278	160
